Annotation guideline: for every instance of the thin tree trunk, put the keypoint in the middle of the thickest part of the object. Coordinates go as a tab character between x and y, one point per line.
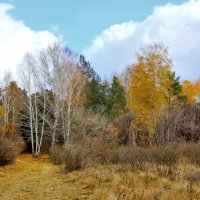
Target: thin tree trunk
43	121
36	126
69	118
31	115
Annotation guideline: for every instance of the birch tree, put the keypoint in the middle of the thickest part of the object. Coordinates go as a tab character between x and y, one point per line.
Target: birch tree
33	84
148	86
66	81
56	86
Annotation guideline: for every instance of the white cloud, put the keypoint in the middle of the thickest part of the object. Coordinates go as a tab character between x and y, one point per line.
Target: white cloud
176	26
16	39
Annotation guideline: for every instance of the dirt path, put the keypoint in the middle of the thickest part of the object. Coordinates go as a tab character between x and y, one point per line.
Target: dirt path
36	179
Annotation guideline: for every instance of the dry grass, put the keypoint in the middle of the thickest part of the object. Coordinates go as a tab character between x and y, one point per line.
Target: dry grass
38	179
30	178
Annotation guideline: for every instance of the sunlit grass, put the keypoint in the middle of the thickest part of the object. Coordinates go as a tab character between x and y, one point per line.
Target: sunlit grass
37	178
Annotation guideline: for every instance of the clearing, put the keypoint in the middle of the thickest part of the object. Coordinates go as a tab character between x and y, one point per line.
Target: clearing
38	179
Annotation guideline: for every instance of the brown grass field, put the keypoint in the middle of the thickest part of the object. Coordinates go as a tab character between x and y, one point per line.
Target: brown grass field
38	179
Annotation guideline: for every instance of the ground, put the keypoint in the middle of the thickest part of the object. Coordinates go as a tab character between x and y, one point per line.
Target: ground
38	179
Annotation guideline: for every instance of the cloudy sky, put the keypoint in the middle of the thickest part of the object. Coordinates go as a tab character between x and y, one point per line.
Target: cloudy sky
108	33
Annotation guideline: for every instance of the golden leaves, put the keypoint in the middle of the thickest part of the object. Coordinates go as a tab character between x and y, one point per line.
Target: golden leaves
148	85
2	111
191	90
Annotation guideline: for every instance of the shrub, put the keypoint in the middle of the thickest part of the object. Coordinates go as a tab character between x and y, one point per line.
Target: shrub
137	157
75	157
105	153
165	160
192	152
11	144
192	177
56	154
7	151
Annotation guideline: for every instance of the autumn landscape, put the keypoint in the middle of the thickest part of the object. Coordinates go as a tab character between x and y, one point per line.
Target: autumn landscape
91	123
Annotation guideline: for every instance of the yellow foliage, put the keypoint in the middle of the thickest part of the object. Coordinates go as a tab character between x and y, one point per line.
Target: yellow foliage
190	90
2	111
197	85
148	85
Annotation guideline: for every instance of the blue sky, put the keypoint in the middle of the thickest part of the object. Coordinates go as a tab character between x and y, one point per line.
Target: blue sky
107	32
81	20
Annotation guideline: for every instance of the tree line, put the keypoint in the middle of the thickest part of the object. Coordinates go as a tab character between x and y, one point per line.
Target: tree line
61	100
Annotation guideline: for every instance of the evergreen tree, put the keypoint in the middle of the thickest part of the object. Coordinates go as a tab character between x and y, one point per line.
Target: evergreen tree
116	99
87	69
175	88
94	95
96	98
175	84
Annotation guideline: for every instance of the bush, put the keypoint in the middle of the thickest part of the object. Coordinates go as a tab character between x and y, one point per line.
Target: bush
165	160
91	150
137	157
7	151
56	154
11	144
191	151
193	176
105	153
75	157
